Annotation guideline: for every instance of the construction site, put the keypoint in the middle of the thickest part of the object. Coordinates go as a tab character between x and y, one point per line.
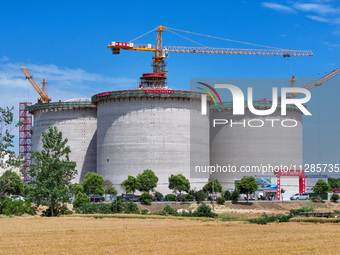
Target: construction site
121	133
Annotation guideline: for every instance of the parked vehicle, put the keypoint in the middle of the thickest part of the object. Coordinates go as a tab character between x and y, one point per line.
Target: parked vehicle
300	196
129	198
17	198
187	198
96	198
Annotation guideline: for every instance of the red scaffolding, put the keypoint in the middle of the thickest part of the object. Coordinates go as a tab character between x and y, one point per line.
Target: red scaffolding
25	136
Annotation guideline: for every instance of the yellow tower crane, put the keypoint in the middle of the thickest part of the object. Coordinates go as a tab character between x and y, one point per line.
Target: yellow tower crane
42	92
162	52
314	84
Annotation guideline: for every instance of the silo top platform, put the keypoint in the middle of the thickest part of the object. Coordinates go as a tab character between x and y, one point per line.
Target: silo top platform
61	105
151	93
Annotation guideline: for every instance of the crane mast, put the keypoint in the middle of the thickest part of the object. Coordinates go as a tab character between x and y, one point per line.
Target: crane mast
42	93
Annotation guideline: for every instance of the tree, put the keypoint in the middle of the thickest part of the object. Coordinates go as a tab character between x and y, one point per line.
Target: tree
52	172
227	195
321	186
108	188
208	187
334	198
130	184
81	198
93	184
11	183
334	183
199	196
247	185
147	181
6	140
282	192
179	183
76	188
111	191
235	196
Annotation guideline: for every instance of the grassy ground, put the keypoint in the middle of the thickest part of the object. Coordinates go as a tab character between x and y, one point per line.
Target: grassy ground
79	235
251	209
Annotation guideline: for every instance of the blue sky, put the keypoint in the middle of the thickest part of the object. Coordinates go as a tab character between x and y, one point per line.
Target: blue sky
65	42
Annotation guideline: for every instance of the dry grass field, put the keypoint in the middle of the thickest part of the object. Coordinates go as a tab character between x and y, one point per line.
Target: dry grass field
76	235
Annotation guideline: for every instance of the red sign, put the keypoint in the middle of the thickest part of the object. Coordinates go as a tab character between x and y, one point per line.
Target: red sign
299	173
158	91
281	172
103	94
336	190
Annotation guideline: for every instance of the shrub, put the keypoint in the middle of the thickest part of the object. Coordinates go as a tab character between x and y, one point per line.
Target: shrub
220	200
81	198
3	203
17	208
187	197
114	207
284	218
264	219
57	210
87	208
294	212
170	211
170	197
235	196
117	206
64	210
104	208
144	211
158	196
204	211
199	196
145	199
334	198
131	208
162	213
227	195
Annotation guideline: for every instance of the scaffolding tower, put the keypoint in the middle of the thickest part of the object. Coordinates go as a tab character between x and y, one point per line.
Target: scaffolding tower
25	137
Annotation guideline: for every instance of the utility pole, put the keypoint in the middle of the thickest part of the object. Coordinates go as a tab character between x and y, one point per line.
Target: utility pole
213	198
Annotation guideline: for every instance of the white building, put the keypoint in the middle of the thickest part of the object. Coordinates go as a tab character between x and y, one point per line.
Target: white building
4	166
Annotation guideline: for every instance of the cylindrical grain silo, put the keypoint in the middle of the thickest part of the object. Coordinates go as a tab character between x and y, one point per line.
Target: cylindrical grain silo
149	129
77	120
248	145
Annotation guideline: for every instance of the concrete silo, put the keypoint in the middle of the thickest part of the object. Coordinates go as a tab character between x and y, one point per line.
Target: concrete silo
149	129
77	119
249	144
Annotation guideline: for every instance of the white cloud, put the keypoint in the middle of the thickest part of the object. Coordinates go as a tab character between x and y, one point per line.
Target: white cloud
320	9
278	7
67	79
4	58
324	11
318	18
